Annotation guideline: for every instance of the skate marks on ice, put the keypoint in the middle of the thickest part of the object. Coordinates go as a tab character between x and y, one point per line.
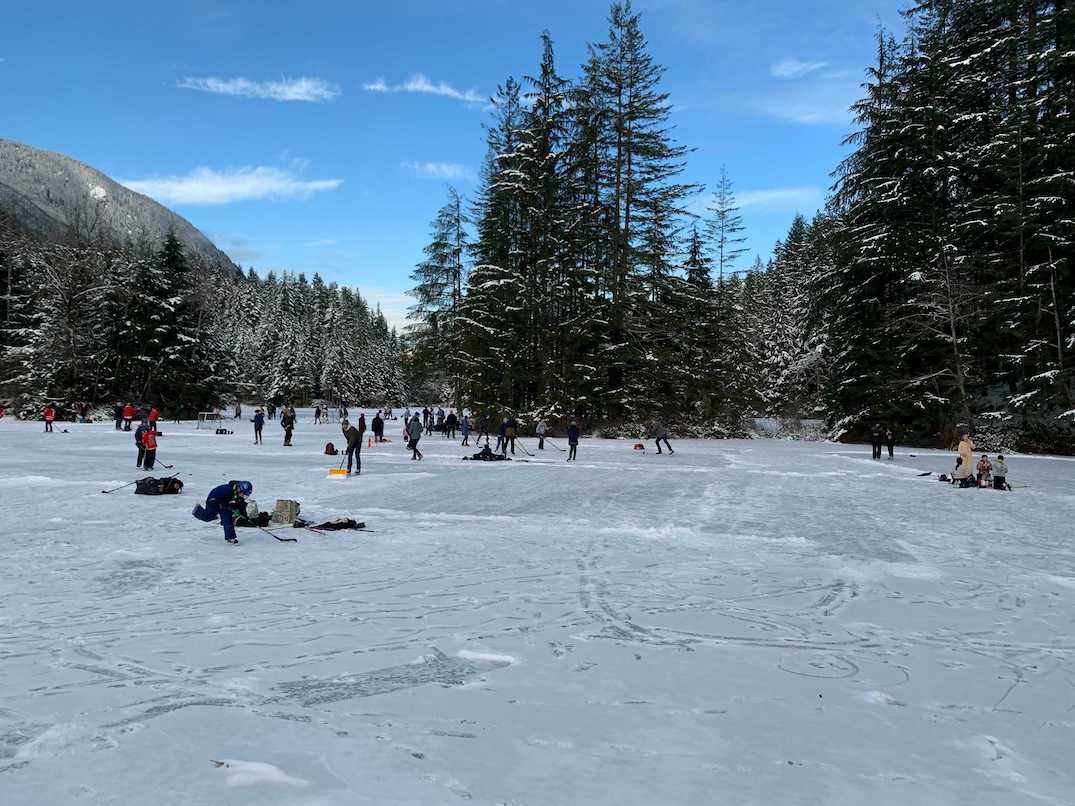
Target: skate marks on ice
437	668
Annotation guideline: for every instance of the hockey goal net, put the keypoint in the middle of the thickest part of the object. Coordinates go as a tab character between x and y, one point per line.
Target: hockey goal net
209	419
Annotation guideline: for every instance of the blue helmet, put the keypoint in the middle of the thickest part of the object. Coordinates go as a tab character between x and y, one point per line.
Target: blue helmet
244	487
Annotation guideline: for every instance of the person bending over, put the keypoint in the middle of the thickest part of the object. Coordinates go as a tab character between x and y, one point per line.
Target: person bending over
225	502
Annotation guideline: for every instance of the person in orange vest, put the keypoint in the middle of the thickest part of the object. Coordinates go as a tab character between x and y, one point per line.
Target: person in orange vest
128	416
149	442
154	415
50	416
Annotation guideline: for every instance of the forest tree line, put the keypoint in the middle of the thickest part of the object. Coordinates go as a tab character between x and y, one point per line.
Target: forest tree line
99	323
935	291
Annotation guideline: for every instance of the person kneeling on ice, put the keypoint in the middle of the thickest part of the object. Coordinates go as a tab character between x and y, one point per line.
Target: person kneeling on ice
985	472
1000	474
225	502
962	476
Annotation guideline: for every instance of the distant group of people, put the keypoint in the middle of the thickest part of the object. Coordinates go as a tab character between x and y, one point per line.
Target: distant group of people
429	420
881	437
985	474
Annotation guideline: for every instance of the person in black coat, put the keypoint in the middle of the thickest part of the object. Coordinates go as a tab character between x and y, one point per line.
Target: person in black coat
377	426
287	422
876	440
354	444
890	442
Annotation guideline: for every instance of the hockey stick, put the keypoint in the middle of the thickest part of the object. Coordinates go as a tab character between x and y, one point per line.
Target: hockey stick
555	445
281	539
106	492
524	448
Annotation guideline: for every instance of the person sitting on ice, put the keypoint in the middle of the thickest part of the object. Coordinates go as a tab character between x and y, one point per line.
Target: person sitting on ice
961	475
225	502
985	471
486	455
1000	474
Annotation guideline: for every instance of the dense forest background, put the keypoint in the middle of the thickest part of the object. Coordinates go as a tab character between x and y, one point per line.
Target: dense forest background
87	321
935	292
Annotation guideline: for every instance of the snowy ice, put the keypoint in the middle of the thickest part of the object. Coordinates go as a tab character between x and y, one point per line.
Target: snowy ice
745	622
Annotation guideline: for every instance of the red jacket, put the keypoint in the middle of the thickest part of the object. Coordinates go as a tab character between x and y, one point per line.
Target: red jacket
50	414
128	412
153	414
149	440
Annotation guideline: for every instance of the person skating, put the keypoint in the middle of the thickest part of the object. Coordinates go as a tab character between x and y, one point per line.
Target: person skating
117	412
317	415
451	422
1000	474
259	424
501	437
414	433
128	416
483	428
430	424
50	417
540	430
139	441
890	443
354	445
377	427
660	434
876	440
572	440
154	415
287	422
238	410
225	502
464	429
149	442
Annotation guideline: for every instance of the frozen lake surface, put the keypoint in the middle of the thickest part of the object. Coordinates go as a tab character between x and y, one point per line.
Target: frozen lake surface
743	623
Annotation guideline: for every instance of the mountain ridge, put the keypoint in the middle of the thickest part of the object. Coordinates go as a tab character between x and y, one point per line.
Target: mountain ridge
59	198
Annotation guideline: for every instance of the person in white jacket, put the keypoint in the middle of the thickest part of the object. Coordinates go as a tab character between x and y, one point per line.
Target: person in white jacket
540	430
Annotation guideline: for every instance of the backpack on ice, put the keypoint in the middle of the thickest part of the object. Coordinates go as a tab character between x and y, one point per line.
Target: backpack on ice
330	450
152	486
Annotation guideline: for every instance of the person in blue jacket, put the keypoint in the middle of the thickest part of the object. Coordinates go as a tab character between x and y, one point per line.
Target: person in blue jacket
259	424
572	440
225	502
141	429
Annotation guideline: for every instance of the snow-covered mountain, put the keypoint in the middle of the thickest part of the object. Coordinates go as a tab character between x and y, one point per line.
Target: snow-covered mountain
62	199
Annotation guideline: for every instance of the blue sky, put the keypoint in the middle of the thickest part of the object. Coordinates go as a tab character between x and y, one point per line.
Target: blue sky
320	137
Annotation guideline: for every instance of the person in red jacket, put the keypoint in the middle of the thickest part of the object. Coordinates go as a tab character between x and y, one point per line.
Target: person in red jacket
154	415
149	442
50	417
128	416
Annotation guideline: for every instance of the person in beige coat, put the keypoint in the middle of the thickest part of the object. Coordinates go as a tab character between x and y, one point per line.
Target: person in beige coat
966	451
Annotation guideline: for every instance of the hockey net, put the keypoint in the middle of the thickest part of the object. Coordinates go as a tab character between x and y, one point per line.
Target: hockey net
209	419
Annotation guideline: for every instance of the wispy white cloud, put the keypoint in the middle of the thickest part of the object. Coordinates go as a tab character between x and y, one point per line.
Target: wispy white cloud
820	112
319	242
419	83
794	68
315	90
208	186
804	199
439	170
